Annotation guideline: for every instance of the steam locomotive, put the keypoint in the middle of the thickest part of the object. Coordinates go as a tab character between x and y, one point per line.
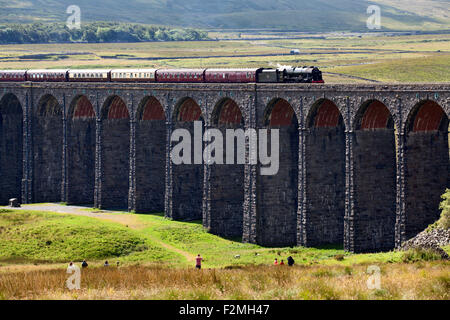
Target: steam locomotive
282	74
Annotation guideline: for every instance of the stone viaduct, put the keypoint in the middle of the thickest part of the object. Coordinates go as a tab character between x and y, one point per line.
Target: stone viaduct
361	166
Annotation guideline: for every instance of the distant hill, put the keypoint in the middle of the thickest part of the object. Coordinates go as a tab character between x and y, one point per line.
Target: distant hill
299	15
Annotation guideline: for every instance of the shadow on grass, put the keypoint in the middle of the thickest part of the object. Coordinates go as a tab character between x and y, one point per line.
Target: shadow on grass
24	260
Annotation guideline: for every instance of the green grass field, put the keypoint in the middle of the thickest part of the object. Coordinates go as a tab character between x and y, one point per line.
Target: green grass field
379	57
41	237
156	258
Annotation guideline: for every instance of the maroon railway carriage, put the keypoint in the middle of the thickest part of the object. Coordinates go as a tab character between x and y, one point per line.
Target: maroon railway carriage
232	75
56	75
13	75
89	75
180	75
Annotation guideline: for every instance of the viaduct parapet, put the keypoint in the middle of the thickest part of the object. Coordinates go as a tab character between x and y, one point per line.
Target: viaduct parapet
363	166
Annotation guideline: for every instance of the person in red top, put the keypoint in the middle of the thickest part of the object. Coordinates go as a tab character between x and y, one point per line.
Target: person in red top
282	263
198	262
275	262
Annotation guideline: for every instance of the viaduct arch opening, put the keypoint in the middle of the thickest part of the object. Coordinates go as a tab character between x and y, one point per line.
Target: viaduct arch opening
226	198
325	175
278	194
115	150
427	164
81	133
11	154
375	178
150	156
47	149
187	179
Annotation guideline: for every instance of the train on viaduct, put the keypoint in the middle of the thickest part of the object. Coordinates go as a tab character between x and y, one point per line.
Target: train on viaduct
363	166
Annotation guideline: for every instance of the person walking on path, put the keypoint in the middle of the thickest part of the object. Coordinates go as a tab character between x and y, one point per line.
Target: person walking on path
198	262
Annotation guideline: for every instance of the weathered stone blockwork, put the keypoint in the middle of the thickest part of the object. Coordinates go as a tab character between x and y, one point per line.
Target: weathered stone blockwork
11	131
115	163
150	165
81	160
374	189
47	147
226	196
325	186
368	189
187	187
427	174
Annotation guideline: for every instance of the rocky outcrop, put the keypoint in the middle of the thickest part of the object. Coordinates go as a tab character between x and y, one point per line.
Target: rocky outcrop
430	239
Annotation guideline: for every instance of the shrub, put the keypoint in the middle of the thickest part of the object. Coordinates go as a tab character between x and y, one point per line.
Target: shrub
444	221
421	254
339	257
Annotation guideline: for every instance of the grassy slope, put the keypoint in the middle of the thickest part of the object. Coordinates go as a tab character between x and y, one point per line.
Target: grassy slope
24	236
303	15
48	237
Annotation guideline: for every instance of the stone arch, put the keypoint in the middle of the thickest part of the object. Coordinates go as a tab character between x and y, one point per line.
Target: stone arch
150	108
187	179
187	110
427	164
81	139
325	175
426	116
278	113
226	112
226	196
47	150
150	155
11	152
278	195
375	178
373	114
324	114
114	108
115	153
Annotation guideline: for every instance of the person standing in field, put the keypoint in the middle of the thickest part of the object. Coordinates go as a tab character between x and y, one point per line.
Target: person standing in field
198	262
275	263
290	261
